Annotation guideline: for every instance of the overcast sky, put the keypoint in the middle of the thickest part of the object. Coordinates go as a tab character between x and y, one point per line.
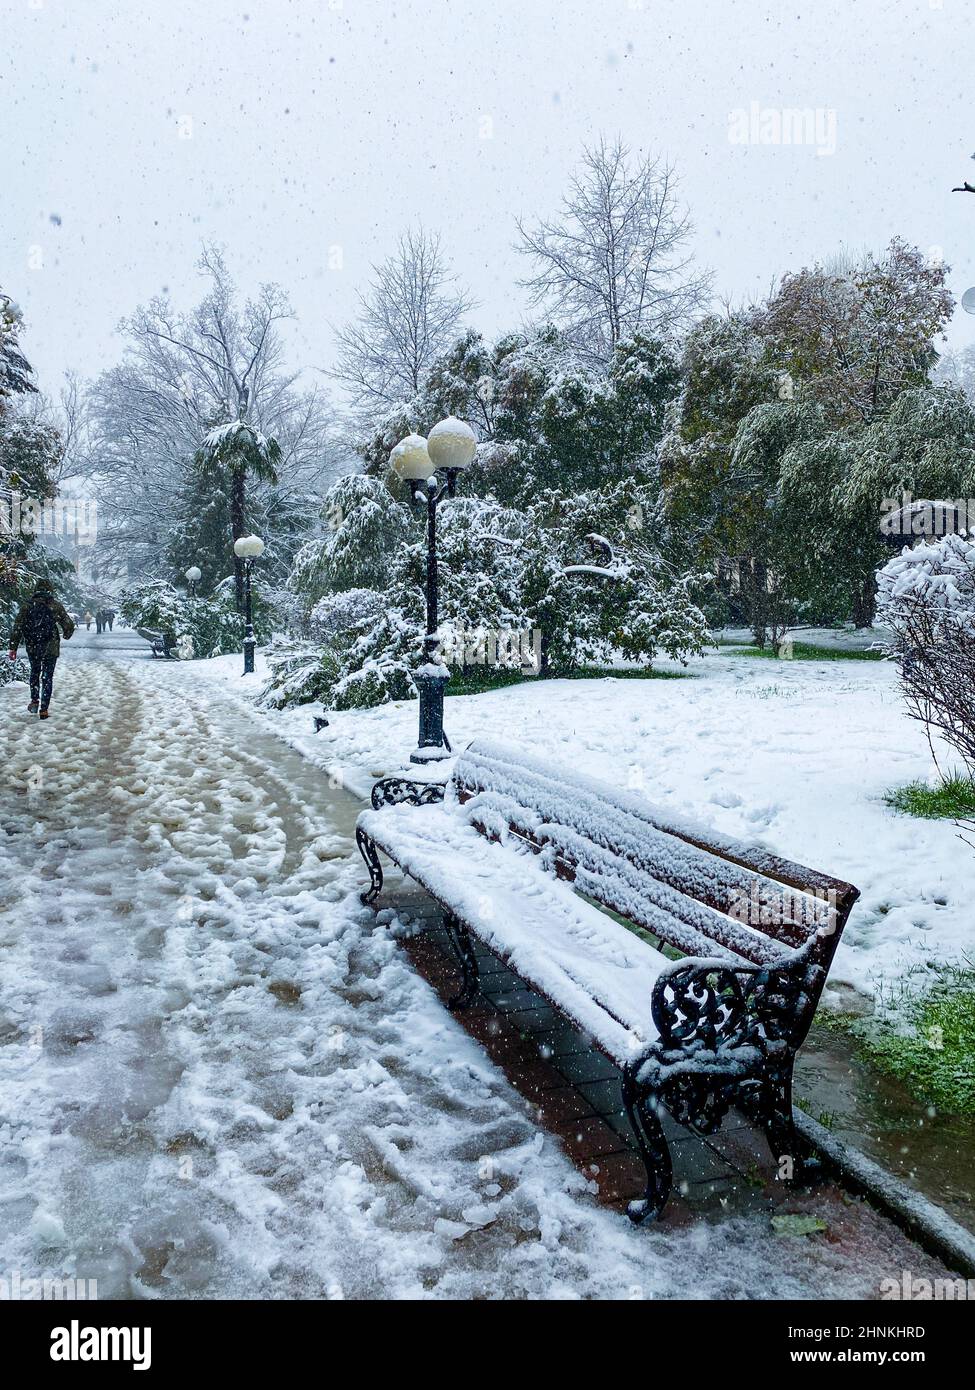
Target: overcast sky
131	131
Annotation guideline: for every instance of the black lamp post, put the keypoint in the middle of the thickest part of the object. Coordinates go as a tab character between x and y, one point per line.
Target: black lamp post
193	577
449	449
248	549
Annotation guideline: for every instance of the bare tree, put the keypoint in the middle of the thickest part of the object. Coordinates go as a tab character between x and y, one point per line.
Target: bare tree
183	374
67	416
927	599
616	259
409	315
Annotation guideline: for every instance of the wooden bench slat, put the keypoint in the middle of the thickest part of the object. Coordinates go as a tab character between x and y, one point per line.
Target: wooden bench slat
590	967
712	870
626	888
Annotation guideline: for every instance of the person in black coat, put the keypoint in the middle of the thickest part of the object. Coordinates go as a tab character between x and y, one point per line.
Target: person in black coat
40	625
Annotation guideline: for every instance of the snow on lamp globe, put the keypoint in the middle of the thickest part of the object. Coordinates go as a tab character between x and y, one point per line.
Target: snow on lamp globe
452	447
248	547
411	461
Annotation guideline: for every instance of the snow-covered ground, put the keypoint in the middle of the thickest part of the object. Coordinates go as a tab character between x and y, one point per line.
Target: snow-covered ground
220	1076
795	755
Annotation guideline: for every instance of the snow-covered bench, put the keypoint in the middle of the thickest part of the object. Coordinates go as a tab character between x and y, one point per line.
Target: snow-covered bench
162	643
520	853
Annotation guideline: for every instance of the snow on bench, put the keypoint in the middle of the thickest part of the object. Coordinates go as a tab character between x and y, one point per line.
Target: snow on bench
527	857
162	643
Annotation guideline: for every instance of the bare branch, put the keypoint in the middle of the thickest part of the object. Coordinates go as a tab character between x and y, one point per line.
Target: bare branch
410	314
614	261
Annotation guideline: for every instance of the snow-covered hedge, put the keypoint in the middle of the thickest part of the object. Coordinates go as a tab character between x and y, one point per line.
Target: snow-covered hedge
211	623
926	597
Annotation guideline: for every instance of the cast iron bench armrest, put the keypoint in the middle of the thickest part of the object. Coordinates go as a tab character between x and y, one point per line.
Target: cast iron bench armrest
716	1002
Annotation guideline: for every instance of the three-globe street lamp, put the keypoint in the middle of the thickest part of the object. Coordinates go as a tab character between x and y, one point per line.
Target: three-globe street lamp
248	549
193	577
449	448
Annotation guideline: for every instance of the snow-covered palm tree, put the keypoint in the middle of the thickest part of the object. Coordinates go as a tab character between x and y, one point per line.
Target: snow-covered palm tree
231	454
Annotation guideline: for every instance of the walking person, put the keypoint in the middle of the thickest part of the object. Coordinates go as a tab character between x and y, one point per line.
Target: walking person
40	625
88	620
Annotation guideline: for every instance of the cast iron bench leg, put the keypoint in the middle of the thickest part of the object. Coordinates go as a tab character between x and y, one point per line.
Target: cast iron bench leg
463	946
367	849
641	1108
773	1112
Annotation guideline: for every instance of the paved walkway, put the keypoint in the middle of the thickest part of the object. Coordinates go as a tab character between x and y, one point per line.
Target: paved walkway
220	1076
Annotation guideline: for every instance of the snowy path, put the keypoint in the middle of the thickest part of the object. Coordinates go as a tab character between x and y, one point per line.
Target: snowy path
218	1074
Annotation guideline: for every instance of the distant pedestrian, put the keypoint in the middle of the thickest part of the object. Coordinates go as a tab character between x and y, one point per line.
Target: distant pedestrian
87	620
40	624
99	620
110	617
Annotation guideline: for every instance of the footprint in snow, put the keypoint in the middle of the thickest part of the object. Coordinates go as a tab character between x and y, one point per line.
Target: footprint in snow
728	799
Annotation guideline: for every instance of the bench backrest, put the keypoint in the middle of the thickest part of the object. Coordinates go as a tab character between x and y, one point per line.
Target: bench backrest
702	893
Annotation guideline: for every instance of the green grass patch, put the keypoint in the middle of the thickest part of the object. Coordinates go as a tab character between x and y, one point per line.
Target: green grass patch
932	1047
477	681
952	799
805	651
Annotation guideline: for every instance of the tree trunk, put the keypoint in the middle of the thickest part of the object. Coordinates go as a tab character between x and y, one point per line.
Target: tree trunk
237	530
758	600
865	602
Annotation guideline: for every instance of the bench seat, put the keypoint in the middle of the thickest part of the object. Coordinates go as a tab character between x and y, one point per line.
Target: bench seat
595	970
575	884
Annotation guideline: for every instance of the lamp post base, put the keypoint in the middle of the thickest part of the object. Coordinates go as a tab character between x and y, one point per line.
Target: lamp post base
433	745
249	644
431	754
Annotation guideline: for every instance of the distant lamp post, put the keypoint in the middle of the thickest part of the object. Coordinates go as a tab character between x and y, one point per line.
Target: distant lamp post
248	549
193	577
449	449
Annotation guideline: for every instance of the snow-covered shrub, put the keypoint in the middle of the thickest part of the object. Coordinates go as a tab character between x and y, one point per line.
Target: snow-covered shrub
926	597
481	561
301	673
597	586
363	526
212	622
11	671
581	577
378	666
337	616
308	669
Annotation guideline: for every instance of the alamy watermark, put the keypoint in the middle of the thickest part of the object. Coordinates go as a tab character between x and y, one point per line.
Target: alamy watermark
788	125
812	910
16	1288
75	517
922	1290
502	648
907	516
